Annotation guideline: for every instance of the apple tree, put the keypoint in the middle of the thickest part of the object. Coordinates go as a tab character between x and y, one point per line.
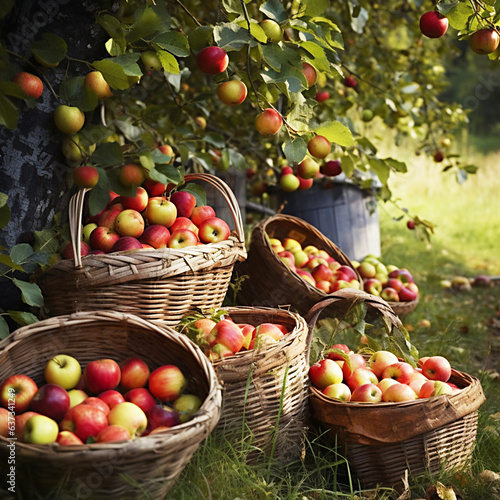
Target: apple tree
176	86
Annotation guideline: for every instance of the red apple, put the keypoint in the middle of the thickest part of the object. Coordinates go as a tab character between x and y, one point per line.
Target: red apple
399	392
156	236
129	222
101	375
268	122
95	81
160	210
305	184
322	95
162	416
108	217
154	188
389	294
111	397
134	373
184	202
385	383
140	397
184	223
16	393
31	85
69	253
307	168
324	286
270	329
437	368
213	230
380	360
182	238
103	238
322	272
353	362
373	286
407	295
400	371
98	403
232	92
348	271
68	438
52	401
85	176
434	388
360	376
84	420
367	393
336	350
129	416
350	81
113	433
310	73
319	146
131	175
137	202
126	243
249	332
306	275
201	213
227	333
167	382
331	168
394	283
7	423
324	373
340	392
433	24
212	60
484	41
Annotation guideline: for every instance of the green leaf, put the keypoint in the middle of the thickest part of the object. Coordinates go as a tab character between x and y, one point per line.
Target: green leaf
21	253
4	328
198	192
8	113
336	132
458	15
470	169
255	29
174	42
168	62
380	168
114	48
76	93
46	241
4	215
295	149
23	318
216	140
291	76
51	49
146	160
366	145
116	70
347	164
200	37
274	10
98	199
159	157
315	7
237	160
274	56
232	6
12	89
6	260
3	199
108	154
398	166
112	25
146	23
30	293
230	36
319	59
166	173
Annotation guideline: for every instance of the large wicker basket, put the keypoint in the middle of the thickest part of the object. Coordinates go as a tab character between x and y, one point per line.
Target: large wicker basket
385	441
145	467
265	390
159	285
269	282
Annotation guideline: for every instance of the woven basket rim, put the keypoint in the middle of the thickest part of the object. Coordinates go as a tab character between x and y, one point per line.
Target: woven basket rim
205	416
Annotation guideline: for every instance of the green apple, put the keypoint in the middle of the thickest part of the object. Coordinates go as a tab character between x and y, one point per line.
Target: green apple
96	83
87	229
40	429
63	370
69	119
289	183
272	30
186	405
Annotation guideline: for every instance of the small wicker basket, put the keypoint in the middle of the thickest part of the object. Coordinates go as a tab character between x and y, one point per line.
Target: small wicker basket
265	390
159	285
384	441
145	467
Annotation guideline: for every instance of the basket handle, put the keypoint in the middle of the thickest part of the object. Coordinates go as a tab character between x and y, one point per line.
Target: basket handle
348	297
76	212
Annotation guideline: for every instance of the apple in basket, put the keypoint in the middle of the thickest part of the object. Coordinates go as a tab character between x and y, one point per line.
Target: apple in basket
134	373
380	360
213	230
129	416
98	403
141	397
76	396
84	420
339	391
400	371
186	405
112	397
324	373
361	376
227	333
16	392
63	370
162	416
398	392
113	433
437	368
52	401
167	382
68	438
101	375
201	213
20	421
40	429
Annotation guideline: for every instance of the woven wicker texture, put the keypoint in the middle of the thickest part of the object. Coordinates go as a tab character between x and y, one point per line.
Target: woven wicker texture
94	470
382	440
263	266
265	390
159	285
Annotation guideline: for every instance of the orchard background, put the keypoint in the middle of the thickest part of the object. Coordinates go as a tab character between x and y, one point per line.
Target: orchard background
387	98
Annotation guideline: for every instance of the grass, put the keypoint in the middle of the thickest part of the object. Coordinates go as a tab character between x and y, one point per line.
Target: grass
463	326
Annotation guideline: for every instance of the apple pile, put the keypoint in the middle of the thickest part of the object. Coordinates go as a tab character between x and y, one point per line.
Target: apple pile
150	220
315	266
222	337
347	376
390	282
108	401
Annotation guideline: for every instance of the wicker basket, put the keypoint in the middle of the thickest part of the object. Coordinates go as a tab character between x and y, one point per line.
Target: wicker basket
402	308
159	285
265	390
383	441
263	267
145	467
